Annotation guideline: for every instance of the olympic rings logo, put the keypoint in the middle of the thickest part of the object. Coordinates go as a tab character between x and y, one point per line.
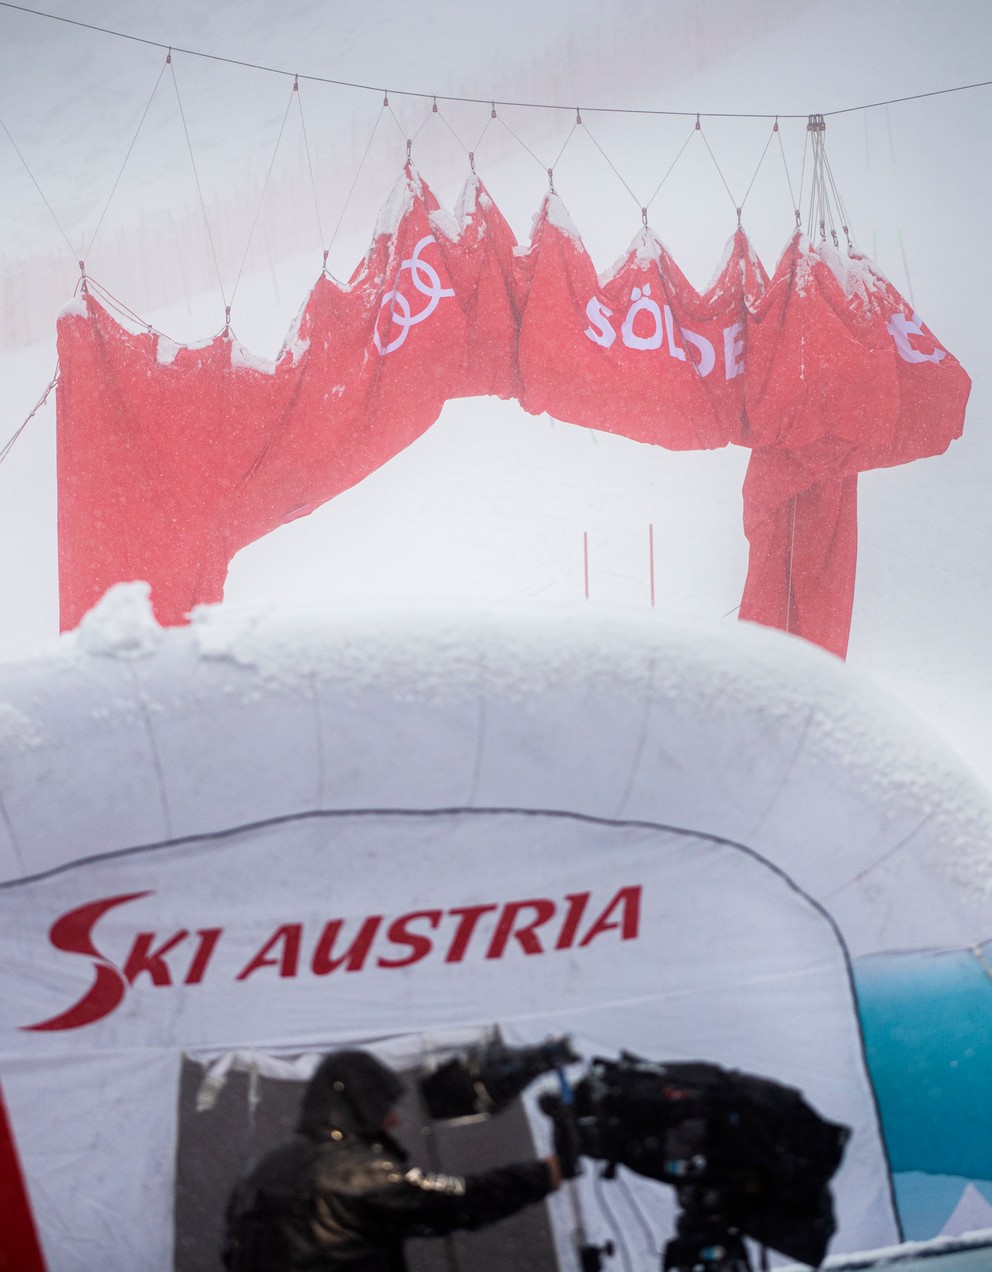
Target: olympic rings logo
425	278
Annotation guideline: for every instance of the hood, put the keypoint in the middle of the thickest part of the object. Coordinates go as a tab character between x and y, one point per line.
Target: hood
351	1091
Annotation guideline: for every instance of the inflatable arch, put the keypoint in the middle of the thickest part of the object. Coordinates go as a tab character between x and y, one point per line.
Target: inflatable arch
240	843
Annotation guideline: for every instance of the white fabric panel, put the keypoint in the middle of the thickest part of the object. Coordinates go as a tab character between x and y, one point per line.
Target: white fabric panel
96	1134
256	752
134	734
130	736
707	954
78	773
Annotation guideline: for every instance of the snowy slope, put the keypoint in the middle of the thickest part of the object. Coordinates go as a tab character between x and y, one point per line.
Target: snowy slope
493	504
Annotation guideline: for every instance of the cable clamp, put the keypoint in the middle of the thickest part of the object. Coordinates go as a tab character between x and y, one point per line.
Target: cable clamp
492	114
739	210
296	83
644	217
385	98
551	180
327	252
409	147
578	115
82	273
434	107
471	160
775	125
168	58
699	126
227	319
816	124
799	219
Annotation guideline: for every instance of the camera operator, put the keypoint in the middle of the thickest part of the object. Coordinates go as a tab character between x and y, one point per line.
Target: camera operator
339	1196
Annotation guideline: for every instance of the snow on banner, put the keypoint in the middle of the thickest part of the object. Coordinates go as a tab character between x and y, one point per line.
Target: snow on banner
173	458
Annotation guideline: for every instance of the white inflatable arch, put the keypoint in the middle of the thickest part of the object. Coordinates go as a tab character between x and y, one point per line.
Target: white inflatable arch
272	834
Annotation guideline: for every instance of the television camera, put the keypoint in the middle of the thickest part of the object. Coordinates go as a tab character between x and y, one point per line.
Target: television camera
746	1156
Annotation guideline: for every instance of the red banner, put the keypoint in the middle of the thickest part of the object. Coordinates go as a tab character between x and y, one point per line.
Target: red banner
171	459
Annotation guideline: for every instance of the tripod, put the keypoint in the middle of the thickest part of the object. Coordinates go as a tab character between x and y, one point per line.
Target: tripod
706	1239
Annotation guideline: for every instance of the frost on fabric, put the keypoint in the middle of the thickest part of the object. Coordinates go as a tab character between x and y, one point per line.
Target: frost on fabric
752	687
442	222
294	346
646	248
242	357
121	624
755	681
855	273
728	252
398	203
470	201
557	215
18	732
166	351
75	308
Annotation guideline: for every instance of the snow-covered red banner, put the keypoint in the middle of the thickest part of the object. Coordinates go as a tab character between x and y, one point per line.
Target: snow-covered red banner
173	458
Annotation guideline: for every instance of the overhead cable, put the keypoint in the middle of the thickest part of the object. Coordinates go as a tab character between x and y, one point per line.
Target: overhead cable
484	101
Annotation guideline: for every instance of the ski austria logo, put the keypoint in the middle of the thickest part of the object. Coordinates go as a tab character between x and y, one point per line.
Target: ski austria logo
314	948
426	280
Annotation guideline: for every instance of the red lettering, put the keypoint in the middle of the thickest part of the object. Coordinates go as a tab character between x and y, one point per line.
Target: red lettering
577	902
73	933
288	938
543	911
470	916
400	934
353	959
144	959
208	939
629	901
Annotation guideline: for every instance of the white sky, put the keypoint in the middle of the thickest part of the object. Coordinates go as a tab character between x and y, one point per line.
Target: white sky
493	503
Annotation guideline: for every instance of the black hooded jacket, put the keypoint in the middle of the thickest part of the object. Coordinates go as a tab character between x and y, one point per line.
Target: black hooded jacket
339	1196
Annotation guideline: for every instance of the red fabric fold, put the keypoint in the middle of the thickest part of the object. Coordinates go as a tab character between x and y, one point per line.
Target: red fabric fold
171	459
803	540
640	354
841	378
478	253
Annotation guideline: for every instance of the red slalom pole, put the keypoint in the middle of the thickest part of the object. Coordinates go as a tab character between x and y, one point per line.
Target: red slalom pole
651	560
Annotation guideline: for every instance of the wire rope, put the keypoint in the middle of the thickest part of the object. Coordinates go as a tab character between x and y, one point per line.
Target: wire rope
610	110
